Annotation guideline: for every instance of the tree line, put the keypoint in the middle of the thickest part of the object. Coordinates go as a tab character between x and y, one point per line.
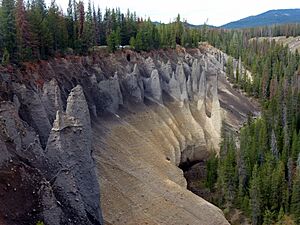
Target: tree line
34	31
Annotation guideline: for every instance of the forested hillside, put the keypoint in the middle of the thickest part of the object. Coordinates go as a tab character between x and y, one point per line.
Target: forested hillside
279	16
262	175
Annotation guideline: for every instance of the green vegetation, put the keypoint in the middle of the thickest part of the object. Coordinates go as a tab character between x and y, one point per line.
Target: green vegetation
261	177
212	174
40	223
36	31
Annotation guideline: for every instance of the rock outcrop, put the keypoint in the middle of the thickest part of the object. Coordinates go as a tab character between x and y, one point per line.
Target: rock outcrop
70	164
111	87
126	126
51	99
60	181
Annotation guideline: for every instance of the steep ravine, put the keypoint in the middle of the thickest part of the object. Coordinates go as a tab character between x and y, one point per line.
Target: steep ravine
123	121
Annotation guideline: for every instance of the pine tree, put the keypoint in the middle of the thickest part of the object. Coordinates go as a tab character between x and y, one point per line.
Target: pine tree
255	197
114	40
52	24
79	27
278	187
212	172
295	202
88	35
228	174
263	139
81	18
280	216
138	42
229	69
8	27
70	24
268	217
5	58
295	146
40	31
96	33
178	30
132	42
274	148
23	33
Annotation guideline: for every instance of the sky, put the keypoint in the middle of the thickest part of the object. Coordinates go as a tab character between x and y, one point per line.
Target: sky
194	11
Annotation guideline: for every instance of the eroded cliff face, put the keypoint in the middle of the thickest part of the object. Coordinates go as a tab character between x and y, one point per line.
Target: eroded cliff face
124	121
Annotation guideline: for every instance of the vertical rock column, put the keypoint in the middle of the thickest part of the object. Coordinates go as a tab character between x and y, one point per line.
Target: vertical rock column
69	152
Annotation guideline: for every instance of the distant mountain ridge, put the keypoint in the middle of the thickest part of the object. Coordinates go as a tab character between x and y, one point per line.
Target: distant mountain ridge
280	16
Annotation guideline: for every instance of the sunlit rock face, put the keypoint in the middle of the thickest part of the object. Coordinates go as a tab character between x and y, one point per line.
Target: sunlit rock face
103	127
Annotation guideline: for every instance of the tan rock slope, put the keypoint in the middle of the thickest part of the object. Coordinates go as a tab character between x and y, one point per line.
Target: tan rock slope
150	112
139	148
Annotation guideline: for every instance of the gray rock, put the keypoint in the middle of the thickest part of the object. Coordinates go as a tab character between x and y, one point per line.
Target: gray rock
166	71
149	66
190	88
9	129
174	88
16	102
25	140
51	98
181	78
77	107
131	86
70	159
153	87
52	213
195	76
202	86
187	69
26	149
34	111
5	155
111	88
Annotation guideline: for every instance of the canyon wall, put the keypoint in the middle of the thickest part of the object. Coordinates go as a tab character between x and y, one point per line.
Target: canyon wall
124	122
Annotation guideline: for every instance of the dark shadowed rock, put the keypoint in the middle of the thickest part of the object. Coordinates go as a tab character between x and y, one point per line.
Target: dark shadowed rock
33	111
69	152
132	87
22	154
25	141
